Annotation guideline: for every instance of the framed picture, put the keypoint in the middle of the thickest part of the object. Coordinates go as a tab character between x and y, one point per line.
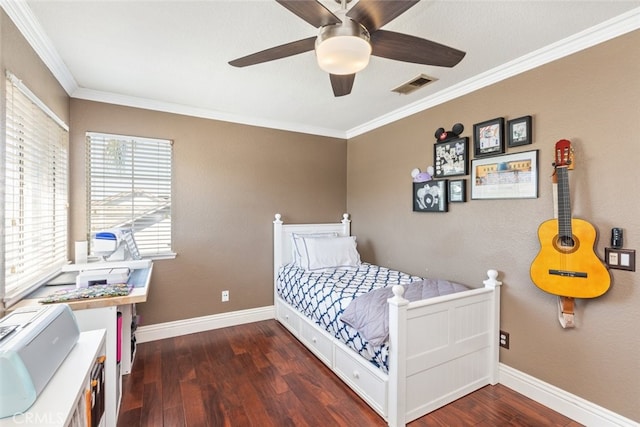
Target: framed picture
519	131
451	158
510	176
488	138
430	196
457	190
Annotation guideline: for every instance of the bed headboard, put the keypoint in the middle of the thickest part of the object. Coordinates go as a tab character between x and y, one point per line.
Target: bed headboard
282	249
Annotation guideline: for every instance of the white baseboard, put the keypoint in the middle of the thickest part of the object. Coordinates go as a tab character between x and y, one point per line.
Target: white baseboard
569	405
160	331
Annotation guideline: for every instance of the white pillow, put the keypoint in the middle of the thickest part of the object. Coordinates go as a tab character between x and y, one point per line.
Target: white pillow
298	249
324	253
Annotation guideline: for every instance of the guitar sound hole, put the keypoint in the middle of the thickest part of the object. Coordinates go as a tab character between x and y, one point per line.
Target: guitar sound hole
566	244
566	241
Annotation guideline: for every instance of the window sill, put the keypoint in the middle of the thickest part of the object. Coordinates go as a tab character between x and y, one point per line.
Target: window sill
171	255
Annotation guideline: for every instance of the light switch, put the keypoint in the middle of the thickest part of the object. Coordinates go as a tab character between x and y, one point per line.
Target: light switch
624	260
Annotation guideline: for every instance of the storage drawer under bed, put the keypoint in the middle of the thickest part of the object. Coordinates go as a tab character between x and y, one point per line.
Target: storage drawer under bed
289	318
319	343
363	377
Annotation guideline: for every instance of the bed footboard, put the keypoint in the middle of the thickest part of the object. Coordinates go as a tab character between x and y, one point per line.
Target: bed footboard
441	349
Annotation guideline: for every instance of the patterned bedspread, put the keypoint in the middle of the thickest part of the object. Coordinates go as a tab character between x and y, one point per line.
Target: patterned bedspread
323	297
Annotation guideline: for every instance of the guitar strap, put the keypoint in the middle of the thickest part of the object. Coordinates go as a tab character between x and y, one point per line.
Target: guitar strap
566	313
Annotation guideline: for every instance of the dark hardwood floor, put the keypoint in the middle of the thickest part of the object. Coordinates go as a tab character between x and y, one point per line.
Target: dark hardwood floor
260	375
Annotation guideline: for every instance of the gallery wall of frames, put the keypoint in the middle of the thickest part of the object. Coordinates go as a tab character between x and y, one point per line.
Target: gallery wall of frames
484	168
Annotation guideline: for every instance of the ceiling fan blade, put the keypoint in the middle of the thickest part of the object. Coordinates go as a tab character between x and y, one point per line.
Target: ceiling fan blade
373	14
311	11
282	51
342	84
406	48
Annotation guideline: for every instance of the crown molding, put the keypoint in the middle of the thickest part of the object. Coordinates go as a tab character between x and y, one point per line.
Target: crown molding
622	24
23	18
185	110
28	25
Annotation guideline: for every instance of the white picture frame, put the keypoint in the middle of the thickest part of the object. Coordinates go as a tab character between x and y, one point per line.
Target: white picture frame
510	176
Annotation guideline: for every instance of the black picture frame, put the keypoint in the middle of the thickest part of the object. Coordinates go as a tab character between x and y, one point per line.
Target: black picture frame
430	196
488	137
519	131
451	158
457	190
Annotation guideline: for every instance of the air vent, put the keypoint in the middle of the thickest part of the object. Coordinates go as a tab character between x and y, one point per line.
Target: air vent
414	84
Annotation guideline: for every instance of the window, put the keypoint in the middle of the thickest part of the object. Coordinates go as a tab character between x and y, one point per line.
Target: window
129	186
33	192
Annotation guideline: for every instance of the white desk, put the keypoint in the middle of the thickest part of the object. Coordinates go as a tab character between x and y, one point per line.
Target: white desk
65	391
102	313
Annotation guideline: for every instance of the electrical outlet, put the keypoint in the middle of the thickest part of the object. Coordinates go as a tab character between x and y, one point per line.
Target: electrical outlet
225	296
504	339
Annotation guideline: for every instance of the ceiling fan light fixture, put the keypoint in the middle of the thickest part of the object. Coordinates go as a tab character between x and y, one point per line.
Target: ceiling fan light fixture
343	48
343	55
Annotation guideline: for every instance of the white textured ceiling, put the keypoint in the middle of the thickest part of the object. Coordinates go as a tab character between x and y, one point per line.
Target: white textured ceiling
172	55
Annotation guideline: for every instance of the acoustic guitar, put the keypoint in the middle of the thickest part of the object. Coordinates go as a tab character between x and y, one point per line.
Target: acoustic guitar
567	264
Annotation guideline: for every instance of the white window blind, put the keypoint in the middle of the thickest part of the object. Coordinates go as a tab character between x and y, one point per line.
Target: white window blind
34	192
129	186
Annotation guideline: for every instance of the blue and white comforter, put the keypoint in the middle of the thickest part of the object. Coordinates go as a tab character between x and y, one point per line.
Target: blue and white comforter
323	297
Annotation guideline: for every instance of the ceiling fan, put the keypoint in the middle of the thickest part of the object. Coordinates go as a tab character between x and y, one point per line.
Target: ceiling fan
347	38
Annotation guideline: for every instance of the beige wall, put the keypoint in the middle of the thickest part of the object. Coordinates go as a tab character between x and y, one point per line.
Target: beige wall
591	98
228	182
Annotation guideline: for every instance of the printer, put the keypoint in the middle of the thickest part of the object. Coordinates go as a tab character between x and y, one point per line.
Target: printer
34	341
102	276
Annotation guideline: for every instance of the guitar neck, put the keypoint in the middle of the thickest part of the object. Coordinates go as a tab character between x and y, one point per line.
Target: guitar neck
564	204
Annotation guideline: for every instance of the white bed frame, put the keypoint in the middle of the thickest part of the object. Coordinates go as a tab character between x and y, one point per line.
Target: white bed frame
440	349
